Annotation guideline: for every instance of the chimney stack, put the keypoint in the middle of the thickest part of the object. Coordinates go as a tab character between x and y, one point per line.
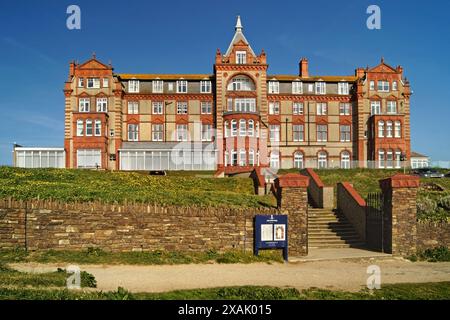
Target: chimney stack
304	68
71	68
360	73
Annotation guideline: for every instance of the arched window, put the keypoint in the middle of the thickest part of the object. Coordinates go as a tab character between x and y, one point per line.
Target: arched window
381	158
298	160
398	129
242	157
226	129
345	160
242	127
80	128
322	160
275	159
251	157
241	83
251	128
380	129
389	129
233	128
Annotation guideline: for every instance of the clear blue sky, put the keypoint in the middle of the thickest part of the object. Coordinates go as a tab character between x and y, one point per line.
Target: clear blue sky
182	37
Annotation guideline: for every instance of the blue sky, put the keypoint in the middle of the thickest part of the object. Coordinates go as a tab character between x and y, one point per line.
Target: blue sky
182	37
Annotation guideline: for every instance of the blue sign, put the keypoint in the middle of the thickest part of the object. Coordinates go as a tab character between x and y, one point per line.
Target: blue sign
271	233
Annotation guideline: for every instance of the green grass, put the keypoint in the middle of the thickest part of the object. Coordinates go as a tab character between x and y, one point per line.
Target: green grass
10	277
440	254
178	188
410	291
98	256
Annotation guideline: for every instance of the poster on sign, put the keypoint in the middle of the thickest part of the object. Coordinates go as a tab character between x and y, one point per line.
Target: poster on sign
271	233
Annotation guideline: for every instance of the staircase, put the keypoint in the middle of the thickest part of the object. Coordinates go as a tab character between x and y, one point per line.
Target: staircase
329	229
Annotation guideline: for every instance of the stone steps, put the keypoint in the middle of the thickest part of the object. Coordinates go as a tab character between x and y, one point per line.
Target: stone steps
327	229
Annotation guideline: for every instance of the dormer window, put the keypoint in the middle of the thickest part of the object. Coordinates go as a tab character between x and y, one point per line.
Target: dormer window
343	88
297	87
157	86
274	87
241	57
133	86
182	86
321	87
205	86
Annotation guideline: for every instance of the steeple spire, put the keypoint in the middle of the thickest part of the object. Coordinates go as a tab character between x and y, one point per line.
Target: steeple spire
238	24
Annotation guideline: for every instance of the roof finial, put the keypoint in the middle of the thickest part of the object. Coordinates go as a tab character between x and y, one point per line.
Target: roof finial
94	56
382	59
238	24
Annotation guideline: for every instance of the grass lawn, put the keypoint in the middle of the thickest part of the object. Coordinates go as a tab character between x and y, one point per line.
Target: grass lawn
410	291
177	188
98	256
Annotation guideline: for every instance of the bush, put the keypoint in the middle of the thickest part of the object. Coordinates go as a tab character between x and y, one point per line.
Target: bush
426	206
444	202
440	254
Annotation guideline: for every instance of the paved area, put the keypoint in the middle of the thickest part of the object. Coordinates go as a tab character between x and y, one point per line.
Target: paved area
343	274
339	254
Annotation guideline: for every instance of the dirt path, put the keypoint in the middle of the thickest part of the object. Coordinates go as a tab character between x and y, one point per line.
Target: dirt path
345	275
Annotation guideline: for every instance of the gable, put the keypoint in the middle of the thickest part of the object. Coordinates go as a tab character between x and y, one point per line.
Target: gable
93	64
383	68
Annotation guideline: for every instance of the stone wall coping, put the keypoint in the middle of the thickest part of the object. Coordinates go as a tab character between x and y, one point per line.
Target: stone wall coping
401	181
292	180
259	177
315	177
353	193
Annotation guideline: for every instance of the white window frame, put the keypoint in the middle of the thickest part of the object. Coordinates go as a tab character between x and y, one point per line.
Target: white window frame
84	105
92	154
241	57
372	85
274	132
381	129
298	135
383	86
242	128
274	107
97	128
182	86
345	160
242	157
182	107
322	160
105	82
274	87
157	86
397	129
234	158
297	108
275	159
298	160
133	132
182	131
234	128
102	104
226	129
322	135
343	88
133	86
157	132
80	82
375	107
133	107
205	86
297	87
206	131
321	108
345	135
389	129
80	128
251	157
157	107
251	128
206	107
345	108
93	83
394	85
391	107
321	87
89	128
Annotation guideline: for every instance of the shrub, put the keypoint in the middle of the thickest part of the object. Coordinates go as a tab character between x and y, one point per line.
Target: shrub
444	202
439	254
426	206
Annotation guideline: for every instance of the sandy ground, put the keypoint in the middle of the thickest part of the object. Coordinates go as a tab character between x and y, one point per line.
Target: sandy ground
350	275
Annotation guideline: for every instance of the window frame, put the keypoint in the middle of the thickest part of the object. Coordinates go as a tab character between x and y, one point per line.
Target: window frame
297	88
159	134
205	84
135	108
133	132
320	87
102	104
297	108
158	86
133	86
182	84
241	57
182	107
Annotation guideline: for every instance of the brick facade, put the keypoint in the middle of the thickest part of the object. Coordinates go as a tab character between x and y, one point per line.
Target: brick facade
260	101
